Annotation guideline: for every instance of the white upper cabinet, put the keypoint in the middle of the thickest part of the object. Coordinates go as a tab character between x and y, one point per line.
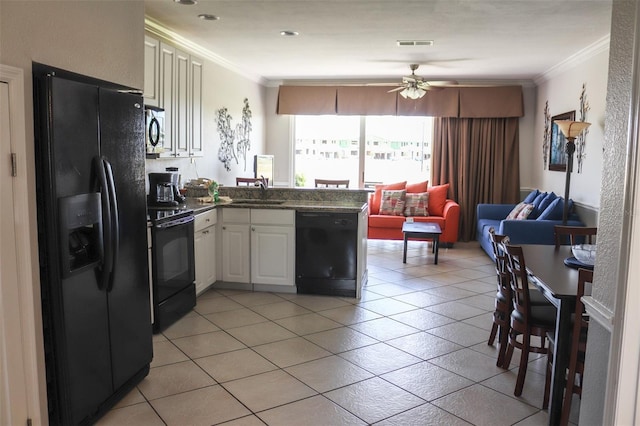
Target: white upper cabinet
173	81
151	71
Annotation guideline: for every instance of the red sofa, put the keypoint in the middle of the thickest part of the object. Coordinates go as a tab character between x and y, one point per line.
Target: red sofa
443	211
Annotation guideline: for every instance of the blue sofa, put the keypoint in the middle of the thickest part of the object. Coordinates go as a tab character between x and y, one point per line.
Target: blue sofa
534	230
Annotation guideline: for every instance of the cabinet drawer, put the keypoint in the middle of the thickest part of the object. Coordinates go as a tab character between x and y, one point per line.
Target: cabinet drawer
235	215
273	217
205	220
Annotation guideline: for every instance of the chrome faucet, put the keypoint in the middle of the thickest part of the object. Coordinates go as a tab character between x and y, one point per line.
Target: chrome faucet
262	183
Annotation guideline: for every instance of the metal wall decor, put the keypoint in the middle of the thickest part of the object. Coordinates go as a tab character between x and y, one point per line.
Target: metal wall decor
581	140
546	136
234	143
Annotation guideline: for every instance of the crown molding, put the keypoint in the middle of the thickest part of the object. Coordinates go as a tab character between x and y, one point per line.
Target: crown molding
601	45
154	27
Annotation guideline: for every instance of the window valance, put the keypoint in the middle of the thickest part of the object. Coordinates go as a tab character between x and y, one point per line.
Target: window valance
463	102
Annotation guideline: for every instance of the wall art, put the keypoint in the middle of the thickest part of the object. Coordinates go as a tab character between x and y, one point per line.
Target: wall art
581	140
557	152
234	143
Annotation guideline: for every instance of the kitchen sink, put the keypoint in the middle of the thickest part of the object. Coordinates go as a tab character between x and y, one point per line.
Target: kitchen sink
256	201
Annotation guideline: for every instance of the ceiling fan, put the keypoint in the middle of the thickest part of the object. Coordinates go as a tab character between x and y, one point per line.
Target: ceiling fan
415	87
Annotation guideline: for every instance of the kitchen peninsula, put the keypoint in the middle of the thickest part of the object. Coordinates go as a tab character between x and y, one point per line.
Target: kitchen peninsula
261	243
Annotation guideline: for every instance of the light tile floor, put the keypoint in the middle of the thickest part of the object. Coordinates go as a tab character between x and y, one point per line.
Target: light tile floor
412	351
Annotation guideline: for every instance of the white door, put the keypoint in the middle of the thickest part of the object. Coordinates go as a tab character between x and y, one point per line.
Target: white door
13	389
235	253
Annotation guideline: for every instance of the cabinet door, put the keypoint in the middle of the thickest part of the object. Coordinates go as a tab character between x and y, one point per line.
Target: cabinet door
151	71
205	258
272	255
167	95
182	110
195	128
235	253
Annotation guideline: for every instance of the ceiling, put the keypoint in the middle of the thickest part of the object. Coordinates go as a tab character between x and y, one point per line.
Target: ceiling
355	40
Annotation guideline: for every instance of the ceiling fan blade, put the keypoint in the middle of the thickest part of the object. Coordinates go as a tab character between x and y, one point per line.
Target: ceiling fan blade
396	89
384	84
443	83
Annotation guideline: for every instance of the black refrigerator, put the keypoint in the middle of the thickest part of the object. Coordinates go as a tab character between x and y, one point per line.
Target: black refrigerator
92	239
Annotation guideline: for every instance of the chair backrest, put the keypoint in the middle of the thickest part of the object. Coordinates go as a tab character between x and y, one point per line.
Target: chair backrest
332	183
497	240
564	233
240	181
519	280
584	276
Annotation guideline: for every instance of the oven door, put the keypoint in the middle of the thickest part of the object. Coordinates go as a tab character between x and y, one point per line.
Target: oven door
173	258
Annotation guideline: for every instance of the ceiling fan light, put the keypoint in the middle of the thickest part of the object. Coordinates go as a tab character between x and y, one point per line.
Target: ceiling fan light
412	93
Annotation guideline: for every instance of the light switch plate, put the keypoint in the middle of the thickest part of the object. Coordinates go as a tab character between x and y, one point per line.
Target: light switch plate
410	220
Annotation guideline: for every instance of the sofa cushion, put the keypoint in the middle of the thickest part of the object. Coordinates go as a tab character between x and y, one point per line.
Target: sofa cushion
525	212
532	196
517	209
392	202
374	208
437	199
417	187
536	201
384	221
415	204
546	202
554	211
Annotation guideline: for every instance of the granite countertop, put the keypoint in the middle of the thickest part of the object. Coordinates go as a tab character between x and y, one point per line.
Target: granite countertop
308	200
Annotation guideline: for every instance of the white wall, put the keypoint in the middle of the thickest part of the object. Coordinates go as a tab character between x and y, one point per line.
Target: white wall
562	90
222	88
103	39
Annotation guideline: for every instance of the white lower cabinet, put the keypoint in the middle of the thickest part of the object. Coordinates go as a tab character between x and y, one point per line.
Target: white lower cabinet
235	246
272	255
273	237
205	249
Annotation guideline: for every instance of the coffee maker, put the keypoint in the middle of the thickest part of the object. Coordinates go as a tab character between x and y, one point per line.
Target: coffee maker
163	190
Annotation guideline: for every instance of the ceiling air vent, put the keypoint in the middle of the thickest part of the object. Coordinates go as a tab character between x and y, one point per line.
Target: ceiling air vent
415	42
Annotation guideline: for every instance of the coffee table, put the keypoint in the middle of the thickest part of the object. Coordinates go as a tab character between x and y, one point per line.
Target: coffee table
422	230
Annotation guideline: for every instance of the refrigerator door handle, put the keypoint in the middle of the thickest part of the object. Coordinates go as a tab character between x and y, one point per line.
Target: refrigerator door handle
115	223
107	260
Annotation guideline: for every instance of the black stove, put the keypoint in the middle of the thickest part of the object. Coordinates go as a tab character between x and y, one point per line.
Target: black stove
158	215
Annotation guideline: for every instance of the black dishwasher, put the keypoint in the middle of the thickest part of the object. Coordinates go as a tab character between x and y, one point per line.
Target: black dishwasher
326	253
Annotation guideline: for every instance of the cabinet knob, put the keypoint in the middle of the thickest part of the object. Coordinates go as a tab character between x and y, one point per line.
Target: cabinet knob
207	220
224	228
253	229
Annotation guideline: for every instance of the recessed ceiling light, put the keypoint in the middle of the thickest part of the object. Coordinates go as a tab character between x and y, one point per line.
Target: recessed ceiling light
208	17
186	2
288	33
414	42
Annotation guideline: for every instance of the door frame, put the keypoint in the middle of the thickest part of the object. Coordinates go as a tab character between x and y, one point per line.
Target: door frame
28	282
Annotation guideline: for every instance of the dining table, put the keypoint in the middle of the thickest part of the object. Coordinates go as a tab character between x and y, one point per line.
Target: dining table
558	283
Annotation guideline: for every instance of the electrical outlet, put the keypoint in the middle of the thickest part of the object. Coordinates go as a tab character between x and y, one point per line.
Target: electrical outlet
409	220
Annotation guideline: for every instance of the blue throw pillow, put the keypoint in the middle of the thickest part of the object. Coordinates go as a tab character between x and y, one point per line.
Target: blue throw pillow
532	196
546	202
536	201
554	211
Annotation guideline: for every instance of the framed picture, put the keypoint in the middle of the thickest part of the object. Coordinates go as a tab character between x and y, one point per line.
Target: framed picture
557	154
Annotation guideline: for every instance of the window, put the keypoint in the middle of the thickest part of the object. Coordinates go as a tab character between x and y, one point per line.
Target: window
378	148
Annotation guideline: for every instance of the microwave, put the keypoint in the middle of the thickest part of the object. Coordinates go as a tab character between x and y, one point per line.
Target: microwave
154	129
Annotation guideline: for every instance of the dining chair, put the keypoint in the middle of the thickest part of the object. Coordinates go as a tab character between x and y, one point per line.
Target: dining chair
503	304
332	183
240	181
502	313
574	234
527	320
577	352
